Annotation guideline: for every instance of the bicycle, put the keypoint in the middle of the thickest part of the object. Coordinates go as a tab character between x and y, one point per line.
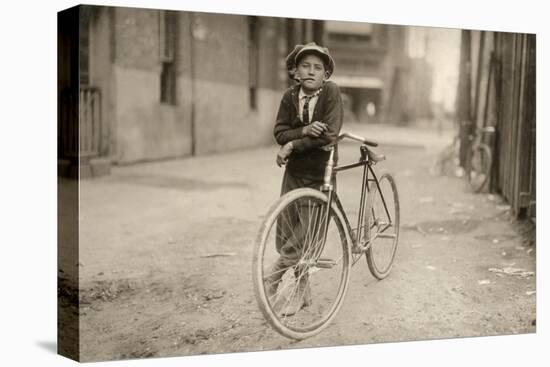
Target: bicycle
319	247
480	159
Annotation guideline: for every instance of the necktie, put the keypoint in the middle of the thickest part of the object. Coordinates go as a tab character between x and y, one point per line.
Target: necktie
305	112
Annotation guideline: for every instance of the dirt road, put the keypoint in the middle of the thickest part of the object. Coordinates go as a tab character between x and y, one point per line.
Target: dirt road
165	260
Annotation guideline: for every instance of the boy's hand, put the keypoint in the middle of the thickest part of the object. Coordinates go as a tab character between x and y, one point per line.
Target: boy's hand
315	129
284	153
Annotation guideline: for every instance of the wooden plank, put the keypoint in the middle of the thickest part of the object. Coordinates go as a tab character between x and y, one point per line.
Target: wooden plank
513	124
464	95
523	156
496	112
507	107
506	111
516	132
532	121
512	147
480	75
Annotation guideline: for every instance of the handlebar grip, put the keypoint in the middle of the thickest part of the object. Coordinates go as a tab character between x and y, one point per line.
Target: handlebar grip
358	138
370	143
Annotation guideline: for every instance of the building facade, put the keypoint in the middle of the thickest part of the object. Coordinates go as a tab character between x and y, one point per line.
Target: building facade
143	84
371	68
155	84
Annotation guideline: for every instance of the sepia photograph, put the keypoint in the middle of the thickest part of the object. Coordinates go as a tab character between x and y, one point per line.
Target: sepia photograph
274	183
236	183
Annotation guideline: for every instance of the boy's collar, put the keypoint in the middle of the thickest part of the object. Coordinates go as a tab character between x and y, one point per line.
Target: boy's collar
302	93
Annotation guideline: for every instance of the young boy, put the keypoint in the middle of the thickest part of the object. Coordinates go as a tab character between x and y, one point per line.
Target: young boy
310	117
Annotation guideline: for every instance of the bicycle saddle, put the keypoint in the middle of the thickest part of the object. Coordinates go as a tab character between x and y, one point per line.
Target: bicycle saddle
376	157
372	156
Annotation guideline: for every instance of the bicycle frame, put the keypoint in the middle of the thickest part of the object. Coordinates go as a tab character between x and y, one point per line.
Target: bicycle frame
318	231
328	188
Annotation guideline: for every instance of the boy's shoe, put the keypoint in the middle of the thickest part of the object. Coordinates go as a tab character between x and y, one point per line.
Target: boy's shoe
301	299
271	282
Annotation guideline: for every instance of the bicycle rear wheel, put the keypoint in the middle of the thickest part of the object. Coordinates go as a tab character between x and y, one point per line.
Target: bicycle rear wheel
478	167
296	268
382	226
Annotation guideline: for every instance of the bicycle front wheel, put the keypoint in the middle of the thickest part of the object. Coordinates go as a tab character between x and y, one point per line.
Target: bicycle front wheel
301	272
382	226
479	167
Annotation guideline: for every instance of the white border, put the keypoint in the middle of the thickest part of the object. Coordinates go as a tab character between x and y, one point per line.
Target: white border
28	152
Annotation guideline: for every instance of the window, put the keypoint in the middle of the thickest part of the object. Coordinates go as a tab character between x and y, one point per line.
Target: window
349	31
167	49
168	83
253	61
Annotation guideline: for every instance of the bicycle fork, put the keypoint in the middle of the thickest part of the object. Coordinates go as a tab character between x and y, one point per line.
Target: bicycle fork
322	221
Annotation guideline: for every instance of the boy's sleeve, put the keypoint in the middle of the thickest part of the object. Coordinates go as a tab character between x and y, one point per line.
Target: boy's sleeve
333	117
283	131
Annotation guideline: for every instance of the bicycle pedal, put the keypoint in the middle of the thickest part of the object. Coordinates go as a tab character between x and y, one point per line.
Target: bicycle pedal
325	263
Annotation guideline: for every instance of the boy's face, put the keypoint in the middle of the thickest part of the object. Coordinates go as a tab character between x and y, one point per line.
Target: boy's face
311	72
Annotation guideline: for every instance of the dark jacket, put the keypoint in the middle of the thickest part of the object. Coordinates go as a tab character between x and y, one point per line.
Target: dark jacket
307	159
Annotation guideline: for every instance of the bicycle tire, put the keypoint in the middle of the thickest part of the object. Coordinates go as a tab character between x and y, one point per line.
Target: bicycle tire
478	169
384	241
323	282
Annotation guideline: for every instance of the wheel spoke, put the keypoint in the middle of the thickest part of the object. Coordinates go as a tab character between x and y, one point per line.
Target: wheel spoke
319	269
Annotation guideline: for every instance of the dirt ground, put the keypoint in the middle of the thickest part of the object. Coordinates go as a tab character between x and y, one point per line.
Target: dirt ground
166	255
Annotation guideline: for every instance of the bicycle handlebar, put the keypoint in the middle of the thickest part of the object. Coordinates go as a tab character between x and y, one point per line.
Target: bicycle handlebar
356	138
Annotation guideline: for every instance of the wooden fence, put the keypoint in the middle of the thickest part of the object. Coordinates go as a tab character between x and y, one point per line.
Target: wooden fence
515	169
504	91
